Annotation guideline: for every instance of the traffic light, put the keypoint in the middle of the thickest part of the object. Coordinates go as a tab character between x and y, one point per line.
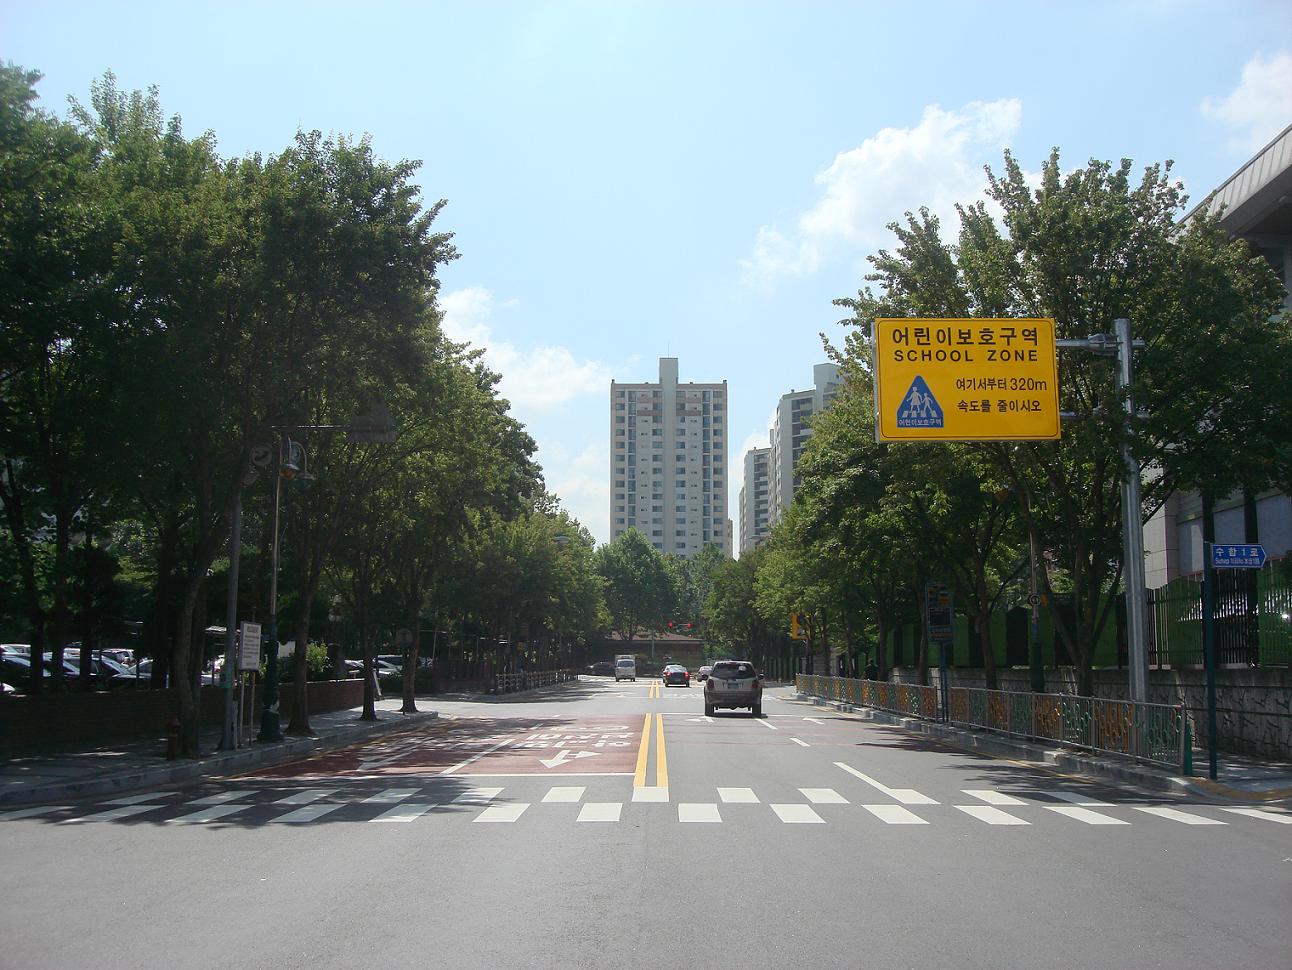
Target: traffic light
690	627
798	626
670	624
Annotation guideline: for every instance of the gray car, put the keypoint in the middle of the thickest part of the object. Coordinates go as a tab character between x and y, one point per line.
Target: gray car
733	683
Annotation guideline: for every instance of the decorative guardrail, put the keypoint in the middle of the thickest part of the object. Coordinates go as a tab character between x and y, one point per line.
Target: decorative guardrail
1155	733
511	683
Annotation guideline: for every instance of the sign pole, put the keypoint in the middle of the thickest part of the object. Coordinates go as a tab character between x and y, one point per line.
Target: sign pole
1132	526
228	734
1209	651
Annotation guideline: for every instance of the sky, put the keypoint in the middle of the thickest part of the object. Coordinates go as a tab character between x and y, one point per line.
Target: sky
635	180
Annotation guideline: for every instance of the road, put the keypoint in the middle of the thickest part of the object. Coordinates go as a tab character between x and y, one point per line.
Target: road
602	825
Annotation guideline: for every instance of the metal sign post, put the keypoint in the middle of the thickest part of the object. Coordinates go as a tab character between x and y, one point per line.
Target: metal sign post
939	609
1219	556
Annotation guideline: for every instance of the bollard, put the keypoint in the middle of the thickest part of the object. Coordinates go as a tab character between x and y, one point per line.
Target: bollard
172	738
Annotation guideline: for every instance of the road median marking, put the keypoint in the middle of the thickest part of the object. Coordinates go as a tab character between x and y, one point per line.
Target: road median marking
643	755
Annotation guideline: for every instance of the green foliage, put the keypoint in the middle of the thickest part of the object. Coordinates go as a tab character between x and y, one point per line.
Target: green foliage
640	589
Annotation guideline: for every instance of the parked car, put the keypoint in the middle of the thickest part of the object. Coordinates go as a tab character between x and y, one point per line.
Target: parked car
602	668
395	660
675	675
733	683
703	673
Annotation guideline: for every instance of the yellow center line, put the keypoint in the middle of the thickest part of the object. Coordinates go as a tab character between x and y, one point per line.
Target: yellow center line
643	753
661	759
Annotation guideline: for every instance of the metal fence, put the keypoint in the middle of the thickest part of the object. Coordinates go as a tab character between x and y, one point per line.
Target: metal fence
912	700
1146	732
511	683
1154	733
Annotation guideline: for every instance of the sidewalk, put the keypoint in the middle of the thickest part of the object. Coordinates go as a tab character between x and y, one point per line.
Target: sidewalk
130	765
1238	778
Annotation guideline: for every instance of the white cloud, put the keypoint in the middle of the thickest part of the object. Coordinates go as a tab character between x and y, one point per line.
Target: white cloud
936	164
1260	107
583	484
537	378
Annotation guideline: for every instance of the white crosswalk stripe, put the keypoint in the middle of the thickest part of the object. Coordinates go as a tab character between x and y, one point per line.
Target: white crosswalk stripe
478	796
992	797
307	814
112	814
693	812
1284	818
1085	815
305	797
992	815
210	814
132	799
1076	798
600	812
391	795
738	796
797	814
563	794
650	793
502	813
894	815
405	812
219	798
823	796
1175	815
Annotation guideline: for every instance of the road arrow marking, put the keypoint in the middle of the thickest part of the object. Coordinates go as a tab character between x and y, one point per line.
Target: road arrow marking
565	755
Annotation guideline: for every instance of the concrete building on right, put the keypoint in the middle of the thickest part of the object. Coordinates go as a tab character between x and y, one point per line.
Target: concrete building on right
1256	205
770	478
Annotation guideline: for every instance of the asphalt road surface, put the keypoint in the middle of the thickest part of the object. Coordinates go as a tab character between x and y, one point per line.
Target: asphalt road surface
602	825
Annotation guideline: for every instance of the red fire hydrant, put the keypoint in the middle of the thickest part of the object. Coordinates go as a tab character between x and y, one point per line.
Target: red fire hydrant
172	738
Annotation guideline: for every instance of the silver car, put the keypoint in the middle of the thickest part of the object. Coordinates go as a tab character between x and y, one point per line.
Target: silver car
733	683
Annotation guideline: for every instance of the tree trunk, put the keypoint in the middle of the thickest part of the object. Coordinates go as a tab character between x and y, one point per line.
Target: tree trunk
189	734
300	722
983	622
881	649
369	680
410	669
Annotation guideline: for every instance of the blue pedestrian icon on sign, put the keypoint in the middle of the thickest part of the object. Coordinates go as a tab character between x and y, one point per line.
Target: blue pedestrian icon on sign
919	409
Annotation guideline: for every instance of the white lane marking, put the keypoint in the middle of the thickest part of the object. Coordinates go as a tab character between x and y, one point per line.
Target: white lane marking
992	797
695	812
476	757
389	795
210	814
478	796
564	794
990	815
1175	815
650	793
125	811
1076	798
907	796
405	812
219	799
814	720
738	796
502	813
132	799
307	814
305	797
1267	816
823	796
894	815
797	814
801	744
768	724
600	812
1087	816
29	812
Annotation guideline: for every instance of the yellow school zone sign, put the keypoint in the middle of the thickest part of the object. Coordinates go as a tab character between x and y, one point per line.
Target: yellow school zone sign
966	380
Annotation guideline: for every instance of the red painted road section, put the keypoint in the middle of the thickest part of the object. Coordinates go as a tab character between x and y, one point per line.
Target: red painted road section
487	746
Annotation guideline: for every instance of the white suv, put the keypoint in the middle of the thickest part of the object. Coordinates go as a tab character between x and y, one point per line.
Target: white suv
733	683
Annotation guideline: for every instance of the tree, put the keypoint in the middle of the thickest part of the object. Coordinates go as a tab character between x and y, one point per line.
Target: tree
639	589
1087	248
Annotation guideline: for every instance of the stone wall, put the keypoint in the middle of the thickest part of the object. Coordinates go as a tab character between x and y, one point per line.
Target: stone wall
1253	704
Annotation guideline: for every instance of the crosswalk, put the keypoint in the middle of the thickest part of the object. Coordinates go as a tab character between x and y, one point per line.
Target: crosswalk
874	804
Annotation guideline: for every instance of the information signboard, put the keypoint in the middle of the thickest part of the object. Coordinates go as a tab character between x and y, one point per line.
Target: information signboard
966	380
249	646
1248	555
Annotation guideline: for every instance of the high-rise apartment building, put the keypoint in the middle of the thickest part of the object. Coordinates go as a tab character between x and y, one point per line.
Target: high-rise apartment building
668	462
753	499
770	479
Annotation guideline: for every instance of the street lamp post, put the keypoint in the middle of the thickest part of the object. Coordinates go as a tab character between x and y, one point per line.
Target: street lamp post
270	719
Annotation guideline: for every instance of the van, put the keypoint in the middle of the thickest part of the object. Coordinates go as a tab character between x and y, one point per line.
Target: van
625	668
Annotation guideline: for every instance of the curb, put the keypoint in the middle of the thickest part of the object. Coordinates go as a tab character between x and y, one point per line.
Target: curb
1060	759
215	765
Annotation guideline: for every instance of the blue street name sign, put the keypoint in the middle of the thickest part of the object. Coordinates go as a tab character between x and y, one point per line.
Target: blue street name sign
1246	556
